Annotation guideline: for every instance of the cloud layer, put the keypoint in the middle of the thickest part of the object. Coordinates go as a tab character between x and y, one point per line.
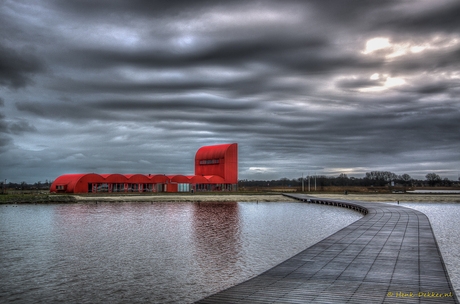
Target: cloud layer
302	86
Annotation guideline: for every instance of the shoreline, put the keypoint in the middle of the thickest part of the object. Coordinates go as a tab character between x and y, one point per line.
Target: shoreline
394	198
168	198
228	197
188	198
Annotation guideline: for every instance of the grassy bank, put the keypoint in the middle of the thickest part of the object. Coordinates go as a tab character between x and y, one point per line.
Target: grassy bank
217	197
142	197
35	198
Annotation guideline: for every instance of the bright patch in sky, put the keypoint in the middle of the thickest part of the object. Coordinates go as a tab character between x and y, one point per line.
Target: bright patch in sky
392	50
259	169
375	76
389	82
31	147
250	17
110	35
376	44
394	81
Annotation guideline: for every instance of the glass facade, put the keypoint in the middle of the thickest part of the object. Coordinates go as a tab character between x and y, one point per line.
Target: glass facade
209	162
148	188
213	187
99	187
182	187
118	187
159	187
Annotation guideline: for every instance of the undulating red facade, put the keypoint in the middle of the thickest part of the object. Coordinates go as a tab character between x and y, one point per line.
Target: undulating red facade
216	169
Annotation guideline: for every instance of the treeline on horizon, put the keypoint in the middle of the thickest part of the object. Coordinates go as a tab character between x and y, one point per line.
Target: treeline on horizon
25	186
371	179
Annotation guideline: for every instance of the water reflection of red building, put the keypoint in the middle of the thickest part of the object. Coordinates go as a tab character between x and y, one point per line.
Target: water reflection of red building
216	169
216	237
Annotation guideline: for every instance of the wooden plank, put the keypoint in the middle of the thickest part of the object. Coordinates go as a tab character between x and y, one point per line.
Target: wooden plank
389	256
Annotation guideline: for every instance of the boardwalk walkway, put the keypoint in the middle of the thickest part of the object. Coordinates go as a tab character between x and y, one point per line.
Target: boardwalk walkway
388	256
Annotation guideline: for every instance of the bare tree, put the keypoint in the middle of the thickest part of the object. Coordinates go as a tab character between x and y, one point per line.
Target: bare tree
406	177
381	177
433	178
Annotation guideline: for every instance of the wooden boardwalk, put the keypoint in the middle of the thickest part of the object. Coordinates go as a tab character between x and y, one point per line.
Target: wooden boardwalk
388	256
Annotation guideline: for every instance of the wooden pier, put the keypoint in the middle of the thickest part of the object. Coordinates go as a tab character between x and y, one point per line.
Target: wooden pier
388	256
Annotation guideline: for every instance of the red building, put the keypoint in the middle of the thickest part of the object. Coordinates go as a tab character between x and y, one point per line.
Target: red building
216	169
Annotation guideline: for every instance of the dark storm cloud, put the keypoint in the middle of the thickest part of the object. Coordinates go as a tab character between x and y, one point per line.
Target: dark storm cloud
3	124
430	60
10	127
138	86
31	107
16	126
75	112
358	83
127	86
158	108
333	9
21	126
139	7
5	142
190	104
428	18
235	51
436	87
17	67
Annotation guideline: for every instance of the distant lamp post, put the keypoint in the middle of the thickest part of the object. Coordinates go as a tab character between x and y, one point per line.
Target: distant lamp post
315	181
303	184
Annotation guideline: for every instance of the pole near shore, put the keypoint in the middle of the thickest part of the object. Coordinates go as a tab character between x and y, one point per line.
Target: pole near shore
315	181
303	184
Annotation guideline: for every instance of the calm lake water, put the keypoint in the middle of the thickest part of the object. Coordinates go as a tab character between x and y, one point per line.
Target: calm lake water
445	221
156	253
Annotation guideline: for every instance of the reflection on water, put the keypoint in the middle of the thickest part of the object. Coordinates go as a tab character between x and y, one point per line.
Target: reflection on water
217	241
445	221
142	252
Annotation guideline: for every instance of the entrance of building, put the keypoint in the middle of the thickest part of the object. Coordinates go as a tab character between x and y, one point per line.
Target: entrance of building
161	187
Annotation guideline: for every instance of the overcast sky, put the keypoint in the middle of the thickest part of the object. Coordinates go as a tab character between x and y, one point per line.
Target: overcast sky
302	86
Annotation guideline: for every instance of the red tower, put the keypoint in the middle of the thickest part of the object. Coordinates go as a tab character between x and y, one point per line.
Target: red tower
220	160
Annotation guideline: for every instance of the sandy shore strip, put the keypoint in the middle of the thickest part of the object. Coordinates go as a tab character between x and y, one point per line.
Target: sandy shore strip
391	198
231	197
187	198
